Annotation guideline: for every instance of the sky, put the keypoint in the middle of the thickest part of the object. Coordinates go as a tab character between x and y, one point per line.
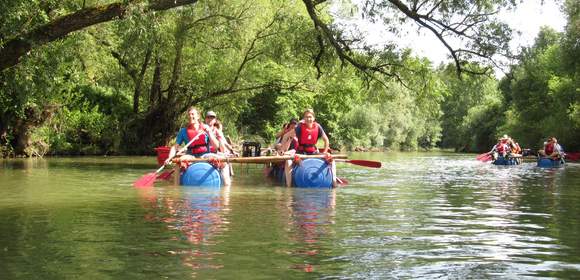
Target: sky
528	17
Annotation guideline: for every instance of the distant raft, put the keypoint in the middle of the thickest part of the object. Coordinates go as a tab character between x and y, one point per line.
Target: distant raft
508	160
550	163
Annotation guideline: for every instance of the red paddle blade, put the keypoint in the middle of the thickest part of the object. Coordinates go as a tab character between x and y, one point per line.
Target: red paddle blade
367	163
146	180
573	156
484	157
165	175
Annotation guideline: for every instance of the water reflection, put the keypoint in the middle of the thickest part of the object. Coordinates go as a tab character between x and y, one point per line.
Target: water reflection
456	216
194	216
421	216
310	213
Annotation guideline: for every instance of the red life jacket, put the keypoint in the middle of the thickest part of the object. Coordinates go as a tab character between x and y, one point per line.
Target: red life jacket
500	148
200	145
549	149
307	138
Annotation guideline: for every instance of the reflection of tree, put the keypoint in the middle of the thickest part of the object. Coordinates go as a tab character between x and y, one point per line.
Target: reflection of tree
194	214
311	214
554	192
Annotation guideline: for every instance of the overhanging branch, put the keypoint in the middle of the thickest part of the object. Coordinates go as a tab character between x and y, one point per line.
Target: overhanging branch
15	48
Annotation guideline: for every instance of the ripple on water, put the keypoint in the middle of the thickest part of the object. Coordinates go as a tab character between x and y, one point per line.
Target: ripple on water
455	218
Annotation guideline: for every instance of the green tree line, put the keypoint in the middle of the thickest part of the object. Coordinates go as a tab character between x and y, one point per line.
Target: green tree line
99	77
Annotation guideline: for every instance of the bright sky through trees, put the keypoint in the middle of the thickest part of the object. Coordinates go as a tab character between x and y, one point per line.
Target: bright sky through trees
526	20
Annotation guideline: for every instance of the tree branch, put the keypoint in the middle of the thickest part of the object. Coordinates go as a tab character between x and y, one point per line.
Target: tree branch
342	49
15	48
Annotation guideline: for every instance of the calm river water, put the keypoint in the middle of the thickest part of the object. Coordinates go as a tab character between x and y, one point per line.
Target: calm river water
423	215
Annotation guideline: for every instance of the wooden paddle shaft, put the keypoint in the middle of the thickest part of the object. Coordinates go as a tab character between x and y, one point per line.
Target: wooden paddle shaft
265	159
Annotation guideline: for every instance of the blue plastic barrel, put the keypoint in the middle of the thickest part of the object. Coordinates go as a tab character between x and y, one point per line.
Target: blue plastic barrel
550	163
312	173
505	161
201	174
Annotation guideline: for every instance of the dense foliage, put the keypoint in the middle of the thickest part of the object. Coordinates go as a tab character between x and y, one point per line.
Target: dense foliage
121	86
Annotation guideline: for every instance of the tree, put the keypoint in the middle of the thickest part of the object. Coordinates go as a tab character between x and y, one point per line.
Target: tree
18	45
472	22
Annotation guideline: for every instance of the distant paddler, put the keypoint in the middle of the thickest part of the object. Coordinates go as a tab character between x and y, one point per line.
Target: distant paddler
304	138
552	149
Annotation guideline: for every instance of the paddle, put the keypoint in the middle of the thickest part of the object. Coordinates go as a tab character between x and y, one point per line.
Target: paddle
574	156
269	159
485	157
165	175
148	179
365	163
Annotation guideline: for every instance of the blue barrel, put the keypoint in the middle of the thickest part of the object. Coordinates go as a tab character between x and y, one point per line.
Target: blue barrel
201	174
312	173
505	161
550	163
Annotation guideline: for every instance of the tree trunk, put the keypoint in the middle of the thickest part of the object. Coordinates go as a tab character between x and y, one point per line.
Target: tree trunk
139	80
23	127
155	92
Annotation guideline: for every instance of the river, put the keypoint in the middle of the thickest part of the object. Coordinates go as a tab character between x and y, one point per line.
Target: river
422	215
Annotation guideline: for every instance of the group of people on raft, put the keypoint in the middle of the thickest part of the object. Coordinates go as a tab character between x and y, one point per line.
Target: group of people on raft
506	147
204	138
552	149
207	138
300	137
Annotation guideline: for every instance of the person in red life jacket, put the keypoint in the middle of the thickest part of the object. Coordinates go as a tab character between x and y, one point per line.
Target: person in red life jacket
501	148
304	138
515	148
288	128
552	149
196	131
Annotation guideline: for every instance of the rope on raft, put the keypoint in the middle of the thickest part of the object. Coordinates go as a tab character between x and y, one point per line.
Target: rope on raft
216	162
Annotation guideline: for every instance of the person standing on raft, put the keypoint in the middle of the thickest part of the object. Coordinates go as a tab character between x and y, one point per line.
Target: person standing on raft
305	136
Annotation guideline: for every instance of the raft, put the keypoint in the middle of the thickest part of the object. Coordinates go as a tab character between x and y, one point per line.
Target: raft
312	172
550	163
507	161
